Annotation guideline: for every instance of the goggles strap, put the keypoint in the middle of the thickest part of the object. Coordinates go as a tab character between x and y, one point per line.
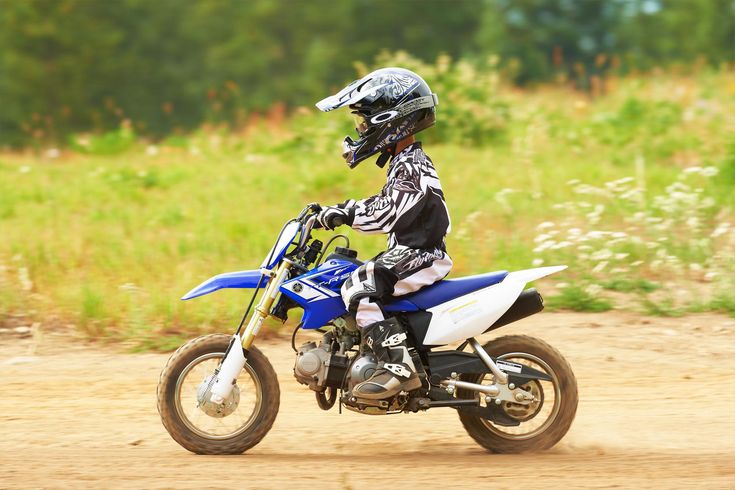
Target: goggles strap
414	105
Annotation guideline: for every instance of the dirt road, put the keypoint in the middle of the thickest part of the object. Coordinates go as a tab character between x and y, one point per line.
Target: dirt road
657	409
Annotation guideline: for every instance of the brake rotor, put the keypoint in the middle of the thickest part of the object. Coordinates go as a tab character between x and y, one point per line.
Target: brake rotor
521	412
217	410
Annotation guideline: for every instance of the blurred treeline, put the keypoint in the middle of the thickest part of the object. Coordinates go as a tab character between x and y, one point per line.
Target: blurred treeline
69	66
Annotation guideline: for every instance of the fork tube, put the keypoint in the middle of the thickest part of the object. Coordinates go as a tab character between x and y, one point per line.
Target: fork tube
264	306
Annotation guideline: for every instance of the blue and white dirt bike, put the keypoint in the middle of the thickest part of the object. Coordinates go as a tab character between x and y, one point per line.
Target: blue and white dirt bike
218	394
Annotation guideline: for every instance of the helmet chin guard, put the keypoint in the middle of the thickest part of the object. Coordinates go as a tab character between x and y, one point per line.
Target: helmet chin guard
350	147
391	104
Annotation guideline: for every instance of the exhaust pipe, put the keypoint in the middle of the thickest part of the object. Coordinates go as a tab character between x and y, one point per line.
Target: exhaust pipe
528	303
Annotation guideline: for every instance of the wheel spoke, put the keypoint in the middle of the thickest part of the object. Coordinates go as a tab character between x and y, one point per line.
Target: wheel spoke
216	426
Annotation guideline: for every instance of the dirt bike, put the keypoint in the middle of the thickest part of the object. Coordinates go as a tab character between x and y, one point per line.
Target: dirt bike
219	394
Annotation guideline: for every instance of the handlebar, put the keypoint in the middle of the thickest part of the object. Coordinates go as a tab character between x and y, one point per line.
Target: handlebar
308	211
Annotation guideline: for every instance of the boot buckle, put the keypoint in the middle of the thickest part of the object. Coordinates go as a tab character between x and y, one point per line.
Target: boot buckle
398	370
394	340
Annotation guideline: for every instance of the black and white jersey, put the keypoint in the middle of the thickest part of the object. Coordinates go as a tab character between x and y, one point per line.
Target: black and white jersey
410	207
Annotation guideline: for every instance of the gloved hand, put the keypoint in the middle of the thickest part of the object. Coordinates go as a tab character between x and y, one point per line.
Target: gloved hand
331	217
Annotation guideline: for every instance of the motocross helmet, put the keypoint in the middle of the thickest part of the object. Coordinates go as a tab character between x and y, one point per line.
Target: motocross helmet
388	105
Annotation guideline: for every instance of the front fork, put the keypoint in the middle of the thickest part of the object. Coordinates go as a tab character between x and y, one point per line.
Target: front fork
234	361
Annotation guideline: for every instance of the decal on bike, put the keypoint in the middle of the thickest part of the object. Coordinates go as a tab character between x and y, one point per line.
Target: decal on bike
462	312
509	367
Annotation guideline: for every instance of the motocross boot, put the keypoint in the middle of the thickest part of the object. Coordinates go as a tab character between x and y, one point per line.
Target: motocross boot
396	371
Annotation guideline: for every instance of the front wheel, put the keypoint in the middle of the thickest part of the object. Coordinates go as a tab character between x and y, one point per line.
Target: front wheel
200	426
541	424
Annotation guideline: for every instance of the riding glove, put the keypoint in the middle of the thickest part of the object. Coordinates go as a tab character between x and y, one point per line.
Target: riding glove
331	217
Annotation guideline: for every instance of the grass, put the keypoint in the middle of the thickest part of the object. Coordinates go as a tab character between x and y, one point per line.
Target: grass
107	238
576	298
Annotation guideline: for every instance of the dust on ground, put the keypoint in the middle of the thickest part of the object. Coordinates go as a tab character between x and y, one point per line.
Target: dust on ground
657	409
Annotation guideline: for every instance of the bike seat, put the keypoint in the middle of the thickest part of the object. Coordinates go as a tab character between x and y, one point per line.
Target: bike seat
443	291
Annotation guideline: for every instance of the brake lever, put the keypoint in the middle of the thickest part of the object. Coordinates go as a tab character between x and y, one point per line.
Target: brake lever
313	207
306	231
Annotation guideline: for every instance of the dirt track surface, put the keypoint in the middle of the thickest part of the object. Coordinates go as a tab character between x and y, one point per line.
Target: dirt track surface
657	409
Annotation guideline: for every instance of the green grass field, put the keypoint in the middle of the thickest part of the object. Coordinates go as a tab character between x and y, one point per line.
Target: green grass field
632	189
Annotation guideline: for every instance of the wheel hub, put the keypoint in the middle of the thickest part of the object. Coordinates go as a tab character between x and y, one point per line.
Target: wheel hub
217	410
524	412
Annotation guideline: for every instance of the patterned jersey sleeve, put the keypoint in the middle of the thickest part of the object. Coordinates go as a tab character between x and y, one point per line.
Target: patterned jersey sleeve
402	194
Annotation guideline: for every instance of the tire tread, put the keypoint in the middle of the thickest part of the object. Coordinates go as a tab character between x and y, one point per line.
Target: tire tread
568	387
198	444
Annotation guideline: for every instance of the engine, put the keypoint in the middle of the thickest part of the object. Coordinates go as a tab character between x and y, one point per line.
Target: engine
331	365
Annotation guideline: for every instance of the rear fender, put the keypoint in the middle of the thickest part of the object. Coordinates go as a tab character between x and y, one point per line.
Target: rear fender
471	314
235	280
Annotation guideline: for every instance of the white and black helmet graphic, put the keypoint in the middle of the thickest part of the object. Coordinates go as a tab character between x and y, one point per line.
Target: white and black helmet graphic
388	105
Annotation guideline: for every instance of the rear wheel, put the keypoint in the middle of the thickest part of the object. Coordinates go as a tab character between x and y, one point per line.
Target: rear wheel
200	426
542	423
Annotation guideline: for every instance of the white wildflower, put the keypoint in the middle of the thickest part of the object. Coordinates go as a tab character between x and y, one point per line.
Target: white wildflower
128	287
561	245
152	150
537	262
600	266
25	279
544	225
593	289
24	169
53	153
710	171
708	202
603	254
544	246
721	229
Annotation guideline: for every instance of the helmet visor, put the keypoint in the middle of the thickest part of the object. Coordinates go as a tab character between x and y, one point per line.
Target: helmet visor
361	125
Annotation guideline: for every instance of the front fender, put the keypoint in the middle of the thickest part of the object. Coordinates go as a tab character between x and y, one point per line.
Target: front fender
237	280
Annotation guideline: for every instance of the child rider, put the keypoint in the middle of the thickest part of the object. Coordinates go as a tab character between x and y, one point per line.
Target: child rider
390	106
